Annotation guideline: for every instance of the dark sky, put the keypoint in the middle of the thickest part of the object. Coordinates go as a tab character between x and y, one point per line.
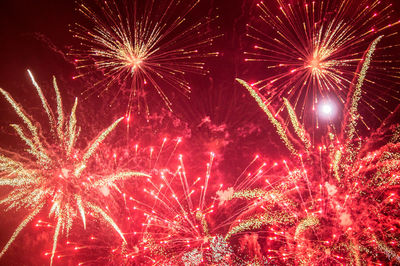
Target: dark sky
34	34
22	23
32	31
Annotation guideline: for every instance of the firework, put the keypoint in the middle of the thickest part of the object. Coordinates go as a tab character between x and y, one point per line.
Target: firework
336	203
53	174
176	222
141	45
183	222
167	217
312	49
172	218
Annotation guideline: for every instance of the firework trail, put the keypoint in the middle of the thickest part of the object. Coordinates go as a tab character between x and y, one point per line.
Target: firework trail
311	50
336	204
53	175
143	44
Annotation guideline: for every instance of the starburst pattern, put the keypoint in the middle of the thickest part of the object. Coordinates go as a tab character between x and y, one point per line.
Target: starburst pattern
137	45
53	174
311	50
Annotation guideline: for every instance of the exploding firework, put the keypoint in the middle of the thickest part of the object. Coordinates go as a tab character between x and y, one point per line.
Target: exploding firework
337	202
312	49
182	222
171	218
161	225
176	225
143	44
53	174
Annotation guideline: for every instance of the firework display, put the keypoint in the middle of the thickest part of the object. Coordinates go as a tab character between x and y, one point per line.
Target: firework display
173	218
335	205
289	157
312	49
144	44
54	171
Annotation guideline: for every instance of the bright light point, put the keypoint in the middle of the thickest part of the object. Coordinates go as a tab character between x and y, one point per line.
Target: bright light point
326	110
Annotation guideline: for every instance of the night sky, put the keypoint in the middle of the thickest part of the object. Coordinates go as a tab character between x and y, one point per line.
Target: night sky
35	35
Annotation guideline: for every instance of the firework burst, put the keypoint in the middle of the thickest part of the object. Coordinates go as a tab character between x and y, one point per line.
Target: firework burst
336	204
312	49
53	174
176	221
183	223
167	218
138	45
